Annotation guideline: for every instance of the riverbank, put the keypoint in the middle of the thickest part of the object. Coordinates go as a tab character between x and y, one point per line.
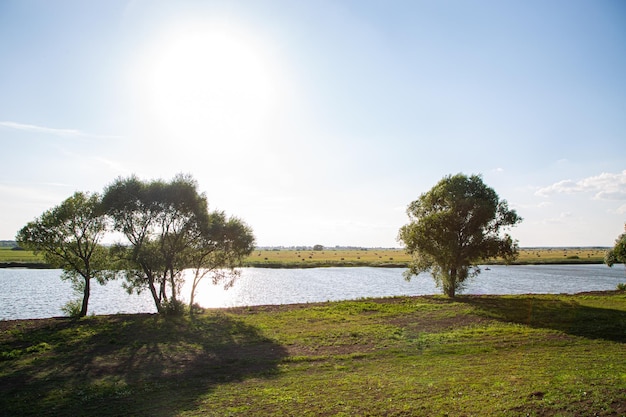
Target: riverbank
476	355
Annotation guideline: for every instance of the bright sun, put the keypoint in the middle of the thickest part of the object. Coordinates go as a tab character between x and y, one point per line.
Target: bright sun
209	81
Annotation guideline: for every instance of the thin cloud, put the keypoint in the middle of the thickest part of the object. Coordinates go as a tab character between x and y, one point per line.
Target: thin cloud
53	131
32	193
606	186
562	219
112	165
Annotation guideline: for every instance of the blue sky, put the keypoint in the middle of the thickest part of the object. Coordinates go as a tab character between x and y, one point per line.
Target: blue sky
320	121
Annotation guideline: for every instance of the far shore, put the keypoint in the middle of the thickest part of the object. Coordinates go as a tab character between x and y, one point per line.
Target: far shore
280	258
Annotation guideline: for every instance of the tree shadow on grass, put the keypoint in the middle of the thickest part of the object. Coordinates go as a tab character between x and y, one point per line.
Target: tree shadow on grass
127	364
562	313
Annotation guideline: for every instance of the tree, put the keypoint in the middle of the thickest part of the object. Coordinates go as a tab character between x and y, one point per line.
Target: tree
158	219
453	227
169	229
68	236
219	249
318	247
618	253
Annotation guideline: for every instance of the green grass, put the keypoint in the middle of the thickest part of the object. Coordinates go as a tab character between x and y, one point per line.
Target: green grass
540	355
21	256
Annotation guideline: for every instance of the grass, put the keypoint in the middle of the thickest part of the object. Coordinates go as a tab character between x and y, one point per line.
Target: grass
539	355
19	256
310	258
398	257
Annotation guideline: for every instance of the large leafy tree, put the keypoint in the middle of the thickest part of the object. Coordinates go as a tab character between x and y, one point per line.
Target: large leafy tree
618	253
158	219
453	227
69	236
169	229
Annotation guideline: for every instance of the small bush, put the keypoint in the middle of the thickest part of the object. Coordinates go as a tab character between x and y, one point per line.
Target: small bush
174	308
621	286
72	308
197	309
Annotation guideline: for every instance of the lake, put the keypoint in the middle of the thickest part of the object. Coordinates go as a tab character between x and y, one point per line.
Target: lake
36	293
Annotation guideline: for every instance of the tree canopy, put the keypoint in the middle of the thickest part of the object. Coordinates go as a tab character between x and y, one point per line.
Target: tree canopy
453	227
618	253
218	250
69	236
170	229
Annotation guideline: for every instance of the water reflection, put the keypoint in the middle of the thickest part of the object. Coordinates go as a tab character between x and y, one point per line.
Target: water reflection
40	293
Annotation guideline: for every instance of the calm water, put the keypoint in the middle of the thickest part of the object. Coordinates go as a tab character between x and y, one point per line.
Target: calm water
29	293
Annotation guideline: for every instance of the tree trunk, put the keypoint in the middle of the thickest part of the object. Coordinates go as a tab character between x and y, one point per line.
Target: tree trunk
194	285
155	296
450	290
83	308
173	284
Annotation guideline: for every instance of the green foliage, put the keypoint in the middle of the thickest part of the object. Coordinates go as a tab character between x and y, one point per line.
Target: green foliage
220	247
73	308
68	236
453	227
174	307
618	253
170	229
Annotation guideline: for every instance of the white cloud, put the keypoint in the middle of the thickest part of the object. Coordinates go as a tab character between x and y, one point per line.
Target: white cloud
53	131
606	186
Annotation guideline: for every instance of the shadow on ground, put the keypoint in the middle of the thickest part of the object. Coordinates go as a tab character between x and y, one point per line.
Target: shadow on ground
567	314
126	364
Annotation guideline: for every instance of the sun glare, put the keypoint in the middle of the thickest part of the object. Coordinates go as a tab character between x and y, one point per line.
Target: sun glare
208	81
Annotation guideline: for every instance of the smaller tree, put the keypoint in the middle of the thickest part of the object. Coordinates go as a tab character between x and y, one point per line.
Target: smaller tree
318	247
618	253
453	227
69	237
221	247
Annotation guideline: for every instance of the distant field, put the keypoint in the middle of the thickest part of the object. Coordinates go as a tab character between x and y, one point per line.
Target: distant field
562	255
26	256
287	258
330	257
396	257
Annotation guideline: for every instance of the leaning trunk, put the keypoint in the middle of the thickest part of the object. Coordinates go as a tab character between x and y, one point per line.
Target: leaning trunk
155	296
194	285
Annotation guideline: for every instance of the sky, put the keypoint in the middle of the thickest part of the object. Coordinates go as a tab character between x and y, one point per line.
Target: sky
318	122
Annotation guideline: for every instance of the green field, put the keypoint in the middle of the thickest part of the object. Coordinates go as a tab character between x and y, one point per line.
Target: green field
22	256
542	355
